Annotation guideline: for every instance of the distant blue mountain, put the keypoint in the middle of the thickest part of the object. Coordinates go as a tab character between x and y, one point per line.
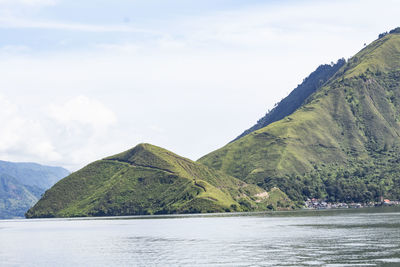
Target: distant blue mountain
22	184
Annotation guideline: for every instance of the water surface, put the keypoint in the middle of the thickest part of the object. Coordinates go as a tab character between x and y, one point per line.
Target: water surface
364	237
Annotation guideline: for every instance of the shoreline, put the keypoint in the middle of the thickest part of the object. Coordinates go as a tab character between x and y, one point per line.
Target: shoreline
279	213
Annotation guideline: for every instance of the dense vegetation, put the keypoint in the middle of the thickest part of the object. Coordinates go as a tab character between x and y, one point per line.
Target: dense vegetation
151	180
22	184
342	143
298	96
396	30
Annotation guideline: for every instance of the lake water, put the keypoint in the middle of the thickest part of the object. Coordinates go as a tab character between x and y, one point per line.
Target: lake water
363	237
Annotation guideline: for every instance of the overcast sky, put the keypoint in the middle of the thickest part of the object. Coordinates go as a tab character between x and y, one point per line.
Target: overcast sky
81	80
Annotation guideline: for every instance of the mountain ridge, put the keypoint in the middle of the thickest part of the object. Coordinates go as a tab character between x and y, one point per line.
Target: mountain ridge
151	180
33	174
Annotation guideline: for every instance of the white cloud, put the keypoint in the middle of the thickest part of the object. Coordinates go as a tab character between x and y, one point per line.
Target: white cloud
126	49
14	21
22	138
69	134
84	130
83	110
11	124
14	49
28	2
280	26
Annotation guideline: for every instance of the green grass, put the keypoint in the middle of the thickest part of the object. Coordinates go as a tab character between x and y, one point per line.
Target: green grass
377	57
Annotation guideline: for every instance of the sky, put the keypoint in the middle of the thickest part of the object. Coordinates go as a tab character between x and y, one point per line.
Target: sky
82	80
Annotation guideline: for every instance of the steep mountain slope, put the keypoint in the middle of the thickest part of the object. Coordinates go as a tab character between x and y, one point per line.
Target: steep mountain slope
343	143
21	185
298	96
151	180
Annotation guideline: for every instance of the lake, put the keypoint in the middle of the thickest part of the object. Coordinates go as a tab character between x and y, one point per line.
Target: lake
351	237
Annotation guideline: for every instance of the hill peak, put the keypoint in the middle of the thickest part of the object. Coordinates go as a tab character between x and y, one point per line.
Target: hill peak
136	149
381	56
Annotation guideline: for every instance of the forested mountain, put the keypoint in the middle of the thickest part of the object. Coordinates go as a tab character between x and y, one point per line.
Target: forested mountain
151	180
298	96
342	143
22	184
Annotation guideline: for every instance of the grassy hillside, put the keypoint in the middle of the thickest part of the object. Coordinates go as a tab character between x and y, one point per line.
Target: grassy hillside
298	96
151	180
343	143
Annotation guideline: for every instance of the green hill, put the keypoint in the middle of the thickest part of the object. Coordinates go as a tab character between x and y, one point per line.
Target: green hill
342	143
151	180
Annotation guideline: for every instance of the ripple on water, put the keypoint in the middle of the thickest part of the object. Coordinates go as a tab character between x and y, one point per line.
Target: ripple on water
334	239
